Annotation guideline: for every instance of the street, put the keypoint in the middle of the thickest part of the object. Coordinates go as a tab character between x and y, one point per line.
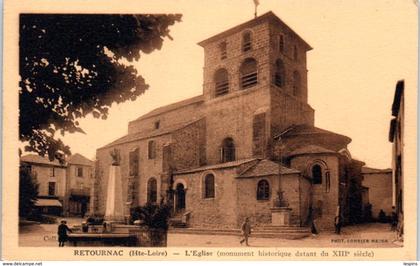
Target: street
365	235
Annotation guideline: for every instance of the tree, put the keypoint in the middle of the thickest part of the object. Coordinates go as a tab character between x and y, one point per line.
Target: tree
152	215
74	65
28	190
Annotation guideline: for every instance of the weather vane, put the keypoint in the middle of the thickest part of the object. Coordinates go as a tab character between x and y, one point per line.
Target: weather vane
256	2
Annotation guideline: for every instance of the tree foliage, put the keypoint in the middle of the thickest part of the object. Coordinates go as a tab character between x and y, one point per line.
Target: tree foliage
28	190
74	65
152	215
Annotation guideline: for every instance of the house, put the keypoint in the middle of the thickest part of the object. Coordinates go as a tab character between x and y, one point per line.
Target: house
51	178
396	136
379	184
64	189
79	182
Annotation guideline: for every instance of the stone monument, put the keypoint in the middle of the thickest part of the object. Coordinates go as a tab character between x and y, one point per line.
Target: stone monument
114	211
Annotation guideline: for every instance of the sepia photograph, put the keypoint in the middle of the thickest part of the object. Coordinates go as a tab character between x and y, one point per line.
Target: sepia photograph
246	124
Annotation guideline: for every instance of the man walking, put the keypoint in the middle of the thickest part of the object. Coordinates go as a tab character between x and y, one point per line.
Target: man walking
246	231
62	233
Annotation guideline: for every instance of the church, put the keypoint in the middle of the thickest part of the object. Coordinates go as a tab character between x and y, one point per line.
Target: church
249	137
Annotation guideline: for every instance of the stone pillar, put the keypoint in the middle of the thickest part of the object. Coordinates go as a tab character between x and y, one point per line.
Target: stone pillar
114	211
280	216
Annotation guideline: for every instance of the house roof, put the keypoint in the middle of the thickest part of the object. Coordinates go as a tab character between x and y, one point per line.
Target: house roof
310	149
36	159
255	168
369	170
79	159
267	168
217	166
170	107
149	134
267	16
308	130
399	92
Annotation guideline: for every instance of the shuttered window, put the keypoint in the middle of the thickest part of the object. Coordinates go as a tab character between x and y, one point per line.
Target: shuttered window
249	73
221	81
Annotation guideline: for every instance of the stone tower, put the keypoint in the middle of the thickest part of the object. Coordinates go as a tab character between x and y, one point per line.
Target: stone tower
255	86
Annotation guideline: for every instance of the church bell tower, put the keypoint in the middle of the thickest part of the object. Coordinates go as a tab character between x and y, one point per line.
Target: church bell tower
256	69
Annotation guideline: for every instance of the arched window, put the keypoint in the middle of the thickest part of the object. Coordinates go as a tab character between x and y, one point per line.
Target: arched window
316	174
209	186
249	74
221	82
279	74
228	150
152	149
295	53
152	190
246	41
263	190
296	83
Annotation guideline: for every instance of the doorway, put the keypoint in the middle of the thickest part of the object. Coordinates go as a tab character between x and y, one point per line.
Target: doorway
179	198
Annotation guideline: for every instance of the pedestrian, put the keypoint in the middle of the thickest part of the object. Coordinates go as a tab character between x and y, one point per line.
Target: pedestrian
62	233
382	216
83	210
311	221
338	220
394	219
246	231
314	229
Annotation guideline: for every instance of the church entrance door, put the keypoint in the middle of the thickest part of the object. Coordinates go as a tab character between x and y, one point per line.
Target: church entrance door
179	198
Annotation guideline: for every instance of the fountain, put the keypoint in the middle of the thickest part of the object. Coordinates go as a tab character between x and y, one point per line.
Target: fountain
112	230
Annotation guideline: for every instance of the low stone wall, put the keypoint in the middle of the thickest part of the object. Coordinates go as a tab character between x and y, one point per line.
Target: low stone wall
119	234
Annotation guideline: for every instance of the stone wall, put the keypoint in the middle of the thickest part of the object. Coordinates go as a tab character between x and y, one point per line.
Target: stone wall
236	198
324	200
380	191
235	57
78	182
232	116
290	63
43	176
177	116
188	146
287	110
305	193
217	212
248	206
295	192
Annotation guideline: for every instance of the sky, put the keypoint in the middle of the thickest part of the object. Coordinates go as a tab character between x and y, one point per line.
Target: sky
360	50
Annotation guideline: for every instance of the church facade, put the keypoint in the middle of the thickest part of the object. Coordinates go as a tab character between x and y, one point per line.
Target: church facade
226	154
